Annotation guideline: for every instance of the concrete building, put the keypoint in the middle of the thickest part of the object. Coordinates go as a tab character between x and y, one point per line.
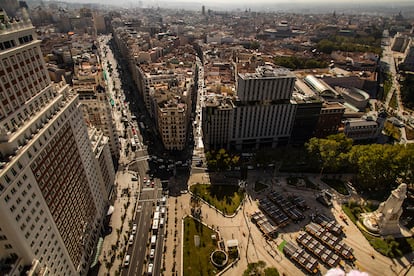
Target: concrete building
355	97
264	114
369	127
261	115
308	110
172	124
219	112
330	119
52	197
408	63
89	84
101	149
400	43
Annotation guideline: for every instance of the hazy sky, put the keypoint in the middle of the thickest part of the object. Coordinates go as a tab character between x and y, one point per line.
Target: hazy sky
254	4
332	2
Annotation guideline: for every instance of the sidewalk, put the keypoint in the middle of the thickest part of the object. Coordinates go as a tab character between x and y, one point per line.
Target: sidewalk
115	244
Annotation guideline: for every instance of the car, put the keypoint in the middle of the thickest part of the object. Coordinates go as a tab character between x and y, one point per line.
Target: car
162	167
134	228
131	239
161	222
150	268
152	184
152	253
126	261
163	200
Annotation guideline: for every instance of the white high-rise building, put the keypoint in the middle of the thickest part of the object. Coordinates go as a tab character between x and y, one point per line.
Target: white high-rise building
52	197
261	115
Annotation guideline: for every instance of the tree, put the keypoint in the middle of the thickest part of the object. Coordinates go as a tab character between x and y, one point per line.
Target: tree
380	165
271	271
330	152
256	269
220	160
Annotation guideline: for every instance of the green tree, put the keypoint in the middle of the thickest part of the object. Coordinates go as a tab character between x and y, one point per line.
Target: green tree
330	152
255	269
271	271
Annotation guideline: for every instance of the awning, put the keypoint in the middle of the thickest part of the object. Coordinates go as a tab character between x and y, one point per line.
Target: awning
232	243
98	252
110	210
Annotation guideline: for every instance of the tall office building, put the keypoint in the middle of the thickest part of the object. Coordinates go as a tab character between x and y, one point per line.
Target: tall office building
261	115
52	195
264	114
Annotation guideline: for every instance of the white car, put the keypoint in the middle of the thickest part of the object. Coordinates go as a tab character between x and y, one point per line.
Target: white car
126	262
150	268
152	253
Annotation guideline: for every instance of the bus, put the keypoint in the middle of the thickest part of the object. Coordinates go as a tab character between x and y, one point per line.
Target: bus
153	240
155	225
133	144
156	215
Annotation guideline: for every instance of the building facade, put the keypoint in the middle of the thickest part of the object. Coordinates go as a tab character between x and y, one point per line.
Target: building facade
52	197
89	84
261	115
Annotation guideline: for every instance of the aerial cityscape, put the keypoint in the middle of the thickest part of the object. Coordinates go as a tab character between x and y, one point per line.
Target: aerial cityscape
206	138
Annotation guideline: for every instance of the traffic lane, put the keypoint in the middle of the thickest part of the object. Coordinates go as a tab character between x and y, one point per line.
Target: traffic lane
132	249
158	251
141	250
138	250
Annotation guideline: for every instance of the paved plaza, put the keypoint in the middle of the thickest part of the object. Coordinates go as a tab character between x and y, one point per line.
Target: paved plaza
254	247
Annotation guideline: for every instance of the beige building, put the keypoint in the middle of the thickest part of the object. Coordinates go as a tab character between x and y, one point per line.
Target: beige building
171	105
100	147
97	110
52	197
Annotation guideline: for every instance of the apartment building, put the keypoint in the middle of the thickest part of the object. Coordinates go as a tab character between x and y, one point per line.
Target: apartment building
89	84
218	111
101	149
52	197
172	111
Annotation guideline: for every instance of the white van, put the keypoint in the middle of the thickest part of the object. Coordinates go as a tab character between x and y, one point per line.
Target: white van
150	268
126	262
161	222
153	240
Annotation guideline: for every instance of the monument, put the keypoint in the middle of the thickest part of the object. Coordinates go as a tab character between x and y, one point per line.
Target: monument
385	220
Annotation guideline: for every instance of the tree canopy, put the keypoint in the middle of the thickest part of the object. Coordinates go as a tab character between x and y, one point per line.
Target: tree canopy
377	166
221	160
260	269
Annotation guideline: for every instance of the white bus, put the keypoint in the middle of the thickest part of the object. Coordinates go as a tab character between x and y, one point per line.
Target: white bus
153	240
156	215
155	225
133	144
